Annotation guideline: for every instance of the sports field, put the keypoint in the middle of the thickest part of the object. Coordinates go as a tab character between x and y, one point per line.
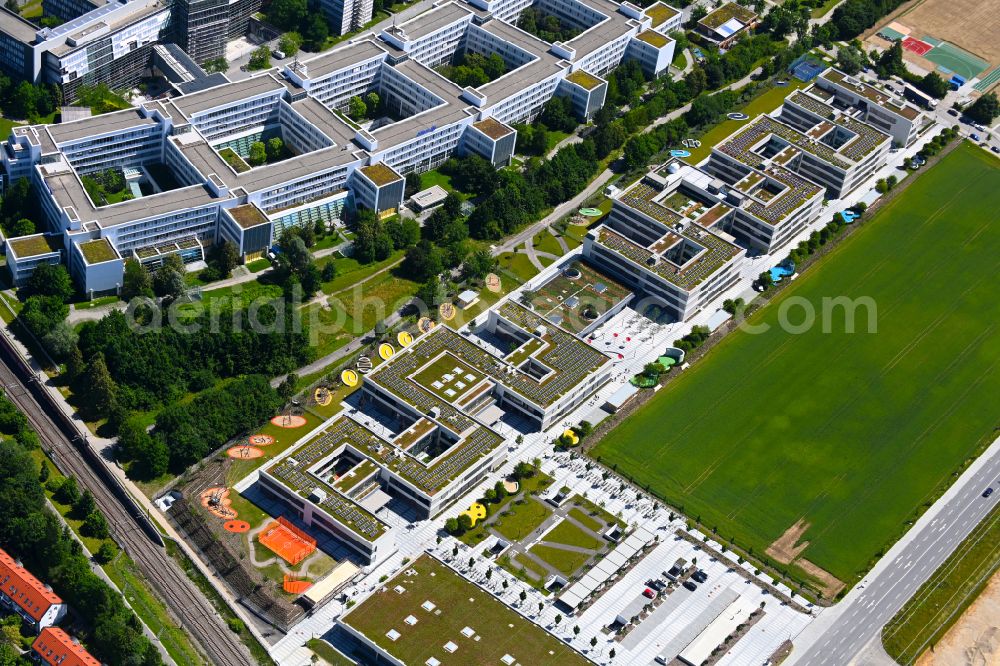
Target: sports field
849	433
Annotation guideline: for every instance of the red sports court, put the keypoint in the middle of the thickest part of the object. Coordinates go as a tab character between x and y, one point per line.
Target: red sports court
916	46
287	541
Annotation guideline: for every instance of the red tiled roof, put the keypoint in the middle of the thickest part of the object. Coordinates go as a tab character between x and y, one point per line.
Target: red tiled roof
55	646
21	587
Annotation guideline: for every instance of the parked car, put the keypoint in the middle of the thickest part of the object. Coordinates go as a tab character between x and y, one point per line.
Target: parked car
979	126
995	149
649	593
690	586
953	112
700	576
988	492
659	585
278	53
975	137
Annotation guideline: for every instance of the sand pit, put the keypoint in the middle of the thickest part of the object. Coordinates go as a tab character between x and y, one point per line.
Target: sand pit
974	640
217	501
288	421
245	452
260	440
788	546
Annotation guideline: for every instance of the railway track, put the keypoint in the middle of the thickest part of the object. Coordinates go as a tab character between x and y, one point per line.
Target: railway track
196	614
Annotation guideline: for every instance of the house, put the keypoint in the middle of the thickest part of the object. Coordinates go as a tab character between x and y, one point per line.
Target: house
57	648
27	596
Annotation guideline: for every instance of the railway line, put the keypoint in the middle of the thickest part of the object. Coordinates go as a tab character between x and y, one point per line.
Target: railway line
142	542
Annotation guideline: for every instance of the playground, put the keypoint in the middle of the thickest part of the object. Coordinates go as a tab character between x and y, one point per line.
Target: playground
287	541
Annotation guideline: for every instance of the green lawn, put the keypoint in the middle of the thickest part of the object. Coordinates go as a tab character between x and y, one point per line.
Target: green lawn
571	535
526	515
327	653
821	11
766	102
585	520
851	432
435	177
939	603
546	242
516	267
566	561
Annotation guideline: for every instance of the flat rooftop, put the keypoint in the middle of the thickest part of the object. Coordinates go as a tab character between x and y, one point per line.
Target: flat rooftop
493	128
33	246
427	612
433	20
867	140
106	123
740	144
871	93
343	57
228	93
660	13
98	250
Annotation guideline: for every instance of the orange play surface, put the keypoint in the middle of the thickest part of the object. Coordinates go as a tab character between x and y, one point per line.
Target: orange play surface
260	440
244	452
217	501
288	421
287	541
237	526
294	585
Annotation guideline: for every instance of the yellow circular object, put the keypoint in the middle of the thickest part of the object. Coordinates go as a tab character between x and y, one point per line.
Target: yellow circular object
571	436
404	339
475	512
323	396
425	324
386	351
349	377
447	311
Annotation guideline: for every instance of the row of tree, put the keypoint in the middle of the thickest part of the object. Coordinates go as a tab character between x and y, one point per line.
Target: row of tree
32	533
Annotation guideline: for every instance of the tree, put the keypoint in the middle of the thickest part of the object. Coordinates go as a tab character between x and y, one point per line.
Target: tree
227	257
316	32
258	153
95	526
984	109
290	42
414	183
100	386
593	641
464	523
851	59
275	149
68	492
576	630
451	526
356	108
106	552
478	264
287	14
84	505
890	63
136	281
259	59
934	85
557	114
423	261
41	314
215	65
51	280
22	227
523	596
168	281
372	102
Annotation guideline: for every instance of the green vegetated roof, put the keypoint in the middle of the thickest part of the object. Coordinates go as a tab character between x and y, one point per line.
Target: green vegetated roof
293	472
248	215
493	128
728	11
660	13
233	159
32	246
653	38
450	611
380	174
868	138
584	79
98	250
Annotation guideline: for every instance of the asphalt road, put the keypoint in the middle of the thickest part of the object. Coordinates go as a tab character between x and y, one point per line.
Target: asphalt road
196	614
862	614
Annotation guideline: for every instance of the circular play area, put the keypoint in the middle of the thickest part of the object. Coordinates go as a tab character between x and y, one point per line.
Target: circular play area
217	501
349	377
237	526
385	351
680	153
591	212
260	440
244	452
737	116
288	421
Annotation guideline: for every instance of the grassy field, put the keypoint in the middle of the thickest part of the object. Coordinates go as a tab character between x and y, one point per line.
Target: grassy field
939	602
851	433
525	516
566	561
